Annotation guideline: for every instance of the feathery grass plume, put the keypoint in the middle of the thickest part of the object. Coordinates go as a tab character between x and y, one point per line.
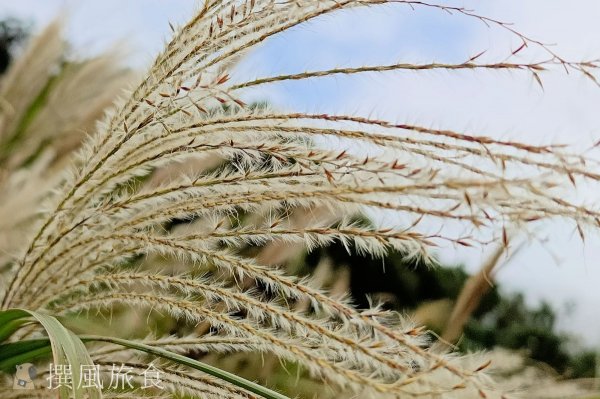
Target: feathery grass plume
49	106
85	252
26	79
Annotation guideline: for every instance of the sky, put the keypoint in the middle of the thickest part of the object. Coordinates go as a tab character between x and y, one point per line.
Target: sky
504	105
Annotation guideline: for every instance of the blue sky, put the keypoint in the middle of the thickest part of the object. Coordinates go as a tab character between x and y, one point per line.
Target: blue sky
500	104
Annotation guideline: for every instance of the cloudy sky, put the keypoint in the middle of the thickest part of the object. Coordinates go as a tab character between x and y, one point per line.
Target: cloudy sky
499	104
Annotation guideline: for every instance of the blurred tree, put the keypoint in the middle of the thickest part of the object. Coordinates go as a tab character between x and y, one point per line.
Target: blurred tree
12	33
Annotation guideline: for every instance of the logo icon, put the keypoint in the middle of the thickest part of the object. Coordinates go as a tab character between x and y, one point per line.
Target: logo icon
24	376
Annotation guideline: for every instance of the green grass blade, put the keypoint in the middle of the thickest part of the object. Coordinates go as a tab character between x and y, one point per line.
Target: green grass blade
15	353
186	361
67	349
11	349
10	321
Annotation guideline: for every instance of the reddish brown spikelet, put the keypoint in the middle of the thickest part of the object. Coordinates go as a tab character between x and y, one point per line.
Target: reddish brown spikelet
414	172
538	79
464	243
580	231
521	47
341	155
571	178
504	237
476	56
329	176
239	102
536	67
223	79
200	109
415	331
532	218
468	199
397	166
590	76
145	122
483	366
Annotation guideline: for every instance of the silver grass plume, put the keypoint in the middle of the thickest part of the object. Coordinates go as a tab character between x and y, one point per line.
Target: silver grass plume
102	216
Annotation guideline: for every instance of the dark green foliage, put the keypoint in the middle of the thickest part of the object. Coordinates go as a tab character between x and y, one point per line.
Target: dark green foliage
12	32
511	324
410	284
